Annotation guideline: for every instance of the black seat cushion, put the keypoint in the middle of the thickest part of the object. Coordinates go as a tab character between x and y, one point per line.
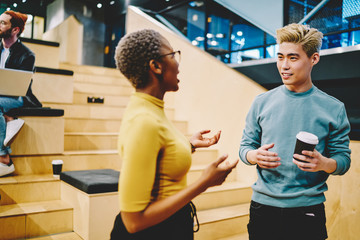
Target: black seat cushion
93	181
36	111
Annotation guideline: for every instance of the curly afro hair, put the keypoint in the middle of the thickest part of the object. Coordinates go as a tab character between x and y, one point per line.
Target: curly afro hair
134	52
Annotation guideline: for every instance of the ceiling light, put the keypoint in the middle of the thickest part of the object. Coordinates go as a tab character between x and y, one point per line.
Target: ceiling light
99	5
112	2
24	1
199	39
194	42
196	4
220	35
213	43
15	5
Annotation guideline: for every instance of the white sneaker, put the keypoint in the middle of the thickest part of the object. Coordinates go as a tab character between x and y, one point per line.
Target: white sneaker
12	128
6	169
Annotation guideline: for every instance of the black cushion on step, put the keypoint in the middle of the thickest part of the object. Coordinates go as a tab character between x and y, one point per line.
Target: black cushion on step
36	111
92	181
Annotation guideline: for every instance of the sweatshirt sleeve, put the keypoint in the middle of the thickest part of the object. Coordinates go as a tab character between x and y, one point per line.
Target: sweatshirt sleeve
251	138
338	144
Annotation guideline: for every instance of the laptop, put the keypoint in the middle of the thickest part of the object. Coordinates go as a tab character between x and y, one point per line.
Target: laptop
14	82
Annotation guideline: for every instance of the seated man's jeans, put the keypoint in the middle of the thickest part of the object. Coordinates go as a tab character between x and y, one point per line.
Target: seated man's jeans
7	103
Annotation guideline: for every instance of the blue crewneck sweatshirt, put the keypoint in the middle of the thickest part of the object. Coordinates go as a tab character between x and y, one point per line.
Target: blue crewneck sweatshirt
276	117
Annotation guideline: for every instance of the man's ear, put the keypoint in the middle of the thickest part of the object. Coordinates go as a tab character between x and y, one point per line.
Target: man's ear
15	30
155	66
315	58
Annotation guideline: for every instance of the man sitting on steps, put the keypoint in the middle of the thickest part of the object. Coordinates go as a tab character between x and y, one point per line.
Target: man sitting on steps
15	55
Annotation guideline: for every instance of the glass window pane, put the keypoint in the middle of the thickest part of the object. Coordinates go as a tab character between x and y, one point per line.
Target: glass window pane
253	54
246	36
355	38
271	51
196	27
218	35
236	57
270	39
38	27
28	27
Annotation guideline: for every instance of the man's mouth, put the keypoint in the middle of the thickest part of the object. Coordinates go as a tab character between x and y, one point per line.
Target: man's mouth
286	75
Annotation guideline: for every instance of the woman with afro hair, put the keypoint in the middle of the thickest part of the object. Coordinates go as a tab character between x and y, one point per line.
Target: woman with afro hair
155	201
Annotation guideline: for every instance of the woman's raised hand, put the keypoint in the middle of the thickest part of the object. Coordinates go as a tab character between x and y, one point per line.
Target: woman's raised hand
198	140
216	173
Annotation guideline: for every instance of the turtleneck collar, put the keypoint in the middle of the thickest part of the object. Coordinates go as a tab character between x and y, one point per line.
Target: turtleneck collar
156	101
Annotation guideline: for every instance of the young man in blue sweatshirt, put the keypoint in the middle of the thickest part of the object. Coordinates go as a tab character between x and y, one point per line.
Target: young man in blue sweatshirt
288	196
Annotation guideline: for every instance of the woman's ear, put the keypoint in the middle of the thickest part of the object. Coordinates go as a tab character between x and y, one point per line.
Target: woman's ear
155	66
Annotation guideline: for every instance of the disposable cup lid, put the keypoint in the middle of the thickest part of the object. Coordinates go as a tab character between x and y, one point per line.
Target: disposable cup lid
57	162
307	137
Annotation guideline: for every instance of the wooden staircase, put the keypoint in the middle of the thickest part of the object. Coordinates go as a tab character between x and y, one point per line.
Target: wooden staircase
30	205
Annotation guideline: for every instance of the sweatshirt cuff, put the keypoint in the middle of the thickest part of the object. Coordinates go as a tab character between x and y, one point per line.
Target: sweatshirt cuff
242	155
341	165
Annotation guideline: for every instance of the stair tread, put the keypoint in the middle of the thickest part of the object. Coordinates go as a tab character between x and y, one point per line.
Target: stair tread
91	133
33	207
228	186
91	152
94	70
74	105
218	214
59	236
242	236
110	151
27	179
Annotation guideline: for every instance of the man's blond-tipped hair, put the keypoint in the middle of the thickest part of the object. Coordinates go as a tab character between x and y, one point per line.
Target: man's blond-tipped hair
309	38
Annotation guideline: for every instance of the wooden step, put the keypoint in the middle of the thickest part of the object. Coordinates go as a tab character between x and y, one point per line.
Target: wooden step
92	70
95	88
91	125
40	135
46	55
229	193
60	236
116	79
222	222
56	88
196	171
75	160
26	220
106	125
97	111
90	140
241	236
204	156
29	188
91	152
111	100
90	111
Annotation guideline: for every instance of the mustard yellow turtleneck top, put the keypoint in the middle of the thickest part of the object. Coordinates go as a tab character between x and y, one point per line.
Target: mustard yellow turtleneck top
155	155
